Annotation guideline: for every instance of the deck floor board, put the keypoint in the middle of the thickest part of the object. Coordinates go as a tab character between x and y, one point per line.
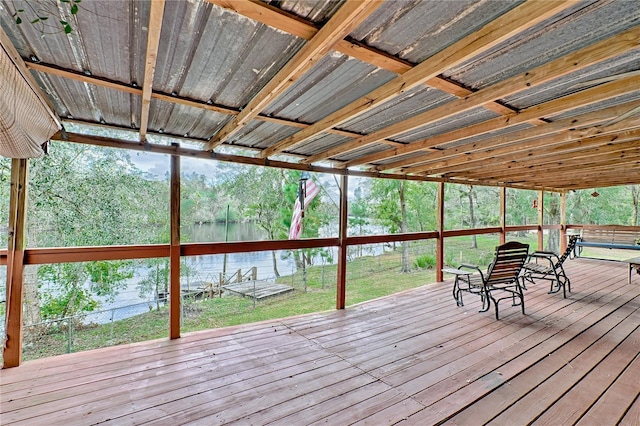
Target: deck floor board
410	358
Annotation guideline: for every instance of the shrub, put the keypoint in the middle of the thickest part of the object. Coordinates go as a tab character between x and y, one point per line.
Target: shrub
425	262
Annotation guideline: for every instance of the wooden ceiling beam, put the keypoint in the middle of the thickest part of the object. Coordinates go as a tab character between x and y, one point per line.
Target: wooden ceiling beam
153	41
294	25
575	61
605	169
551	129
518	19
269	15
549	162
605	173
569	139
345	20
212	155
178	100
550	108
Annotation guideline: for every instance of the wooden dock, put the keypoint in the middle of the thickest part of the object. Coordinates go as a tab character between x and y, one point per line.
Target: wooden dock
257	289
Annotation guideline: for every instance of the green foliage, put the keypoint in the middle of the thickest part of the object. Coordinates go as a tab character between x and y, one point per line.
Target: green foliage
520	210
38	14
616	205
471	206
80	196
69	295
157	279
108	277
385	203
425	262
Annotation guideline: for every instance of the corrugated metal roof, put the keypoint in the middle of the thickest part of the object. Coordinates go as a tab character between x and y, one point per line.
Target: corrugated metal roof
213	60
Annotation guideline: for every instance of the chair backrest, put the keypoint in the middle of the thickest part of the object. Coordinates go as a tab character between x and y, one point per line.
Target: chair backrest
572	244
507	263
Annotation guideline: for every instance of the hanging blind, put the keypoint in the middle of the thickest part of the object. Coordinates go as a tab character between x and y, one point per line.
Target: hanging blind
25	121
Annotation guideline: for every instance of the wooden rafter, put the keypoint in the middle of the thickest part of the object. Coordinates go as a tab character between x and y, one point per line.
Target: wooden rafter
608	172
507	152
178	100
566	141
575	127
573	62
345	20
518	19
565	155
153	41
269	15
546	109
276	18
550	163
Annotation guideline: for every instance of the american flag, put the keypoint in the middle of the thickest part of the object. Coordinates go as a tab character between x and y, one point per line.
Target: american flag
296	220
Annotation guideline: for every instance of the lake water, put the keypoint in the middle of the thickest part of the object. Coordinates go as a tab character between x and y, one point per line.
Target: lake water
208	268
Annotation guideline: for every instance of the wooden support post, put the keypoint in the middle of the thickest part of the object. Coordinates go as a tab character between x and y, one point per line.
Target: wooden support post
254	273
563	222
12	353
503	215
239	275
540	220
174	250
341	288
440	240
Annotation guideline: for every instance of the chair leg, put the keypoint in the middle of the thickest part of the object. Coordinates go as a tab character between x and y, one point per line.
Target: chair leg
486	302
457	294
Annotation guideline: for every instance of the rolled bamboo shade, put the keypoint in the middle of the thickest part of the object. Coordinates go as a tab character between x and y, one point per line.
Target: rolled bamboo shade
26	122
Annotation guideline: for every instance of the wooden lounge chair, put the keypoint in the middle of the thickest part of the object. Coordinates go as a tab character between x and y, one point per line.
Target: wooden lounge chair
546	265
501	278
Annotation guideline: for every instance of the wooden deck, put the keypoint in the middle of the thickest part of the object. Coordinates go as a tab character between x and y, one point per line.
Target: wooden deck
412	358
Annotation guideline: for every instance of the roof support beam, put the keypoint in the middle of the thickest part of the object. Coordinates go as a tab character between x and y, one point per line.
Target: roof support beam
550	160
523	151
12	348
549	129
518	19
276	18
606	171
573	62
550	108
345	20
110	84
153	41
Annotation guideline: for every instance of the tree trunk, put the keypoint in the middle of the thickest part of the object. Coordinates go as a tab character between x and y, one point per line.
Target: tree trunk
31	301
403	229
635	195
553	243
472	217
298	259
275	263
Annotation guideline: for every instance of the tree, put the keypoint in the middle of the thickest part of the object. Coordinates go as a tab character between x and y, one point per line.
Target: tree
259	193
87	196
389	208
635	197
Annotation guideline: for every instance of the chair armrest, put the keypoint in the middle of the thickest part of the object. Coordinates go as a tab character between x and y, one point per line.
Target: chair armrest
474	268
542	252
469	266
548	255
